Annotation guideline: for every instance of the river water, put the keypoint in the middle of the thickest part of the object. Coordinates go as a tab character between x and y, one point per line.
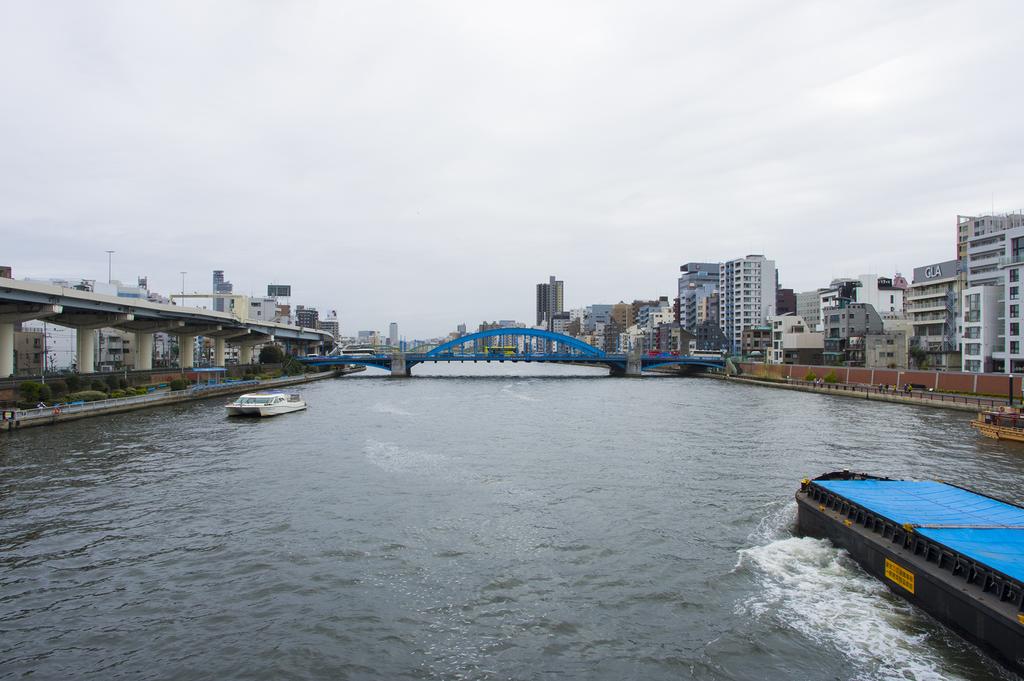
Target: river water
512	526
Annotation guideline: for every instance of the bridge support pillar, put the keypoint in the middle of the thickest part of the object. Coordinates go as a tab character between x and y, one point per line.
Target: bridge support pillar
398	366
634	364
85	350
245	352
6	349
11	315
218	351
143	350
186	351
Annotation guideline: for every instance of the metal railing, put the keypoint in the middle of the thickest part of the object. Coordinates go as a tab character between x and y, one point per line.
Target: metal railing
913	394
157	396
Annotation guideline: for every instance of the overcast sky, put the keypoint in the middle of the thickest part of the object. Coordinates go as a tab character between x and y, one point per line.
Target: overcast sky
430	163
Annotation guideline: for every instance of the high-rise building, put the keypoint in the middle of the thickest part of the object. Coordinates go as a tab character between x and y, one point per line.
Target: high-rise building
550	301
393	334
808	307
969	227
746	290
991	300
331	325
220	286
306	317
697	281
933	306
785	301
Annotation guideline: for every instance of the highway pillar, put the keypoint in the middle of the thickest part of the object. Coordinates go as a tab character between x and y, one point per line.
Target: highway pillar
143	350
186	351
245	352
218	351
85	350
6	349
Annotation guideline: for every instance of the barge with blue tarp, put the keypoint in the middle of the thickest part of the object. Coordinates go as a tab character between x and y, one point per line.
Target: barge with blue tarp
955	553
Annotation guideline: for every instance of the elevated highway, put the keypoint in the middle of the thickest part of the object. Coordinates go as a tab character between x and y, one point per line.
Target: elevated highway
84	311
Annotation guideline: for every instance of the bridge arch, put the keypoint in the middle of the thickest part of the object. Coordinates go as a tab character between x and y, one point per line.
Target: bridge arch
561	339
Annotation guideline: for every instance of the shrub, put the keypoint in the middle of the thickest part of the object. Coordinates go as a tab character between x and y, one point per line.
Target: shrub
811	376
122	383
831	377
45	393
97	385
29	391
74	382
179	384
58	387
271	354
112	381
87	396
117	393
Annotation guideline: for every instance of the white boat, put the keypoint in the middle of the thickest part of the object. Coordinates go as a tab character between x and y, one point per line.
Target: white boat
269	403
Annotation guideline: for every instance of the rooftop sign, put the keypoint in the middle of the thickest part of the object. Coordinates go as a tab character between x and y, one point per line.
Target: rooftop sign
942	270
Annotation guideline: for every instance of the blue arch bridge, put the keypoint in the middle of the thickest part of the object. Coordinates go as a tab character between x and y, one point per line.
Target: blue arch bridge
522	345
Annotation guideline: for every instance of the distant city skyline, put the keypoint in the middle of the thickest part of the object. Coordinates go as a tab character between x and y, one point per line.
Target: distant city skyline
430	170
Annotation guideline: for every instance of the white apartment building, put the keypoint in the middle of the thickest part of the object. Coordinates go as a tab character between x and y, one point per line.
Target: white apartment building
746	289
263	309
794	341
991	299
933	309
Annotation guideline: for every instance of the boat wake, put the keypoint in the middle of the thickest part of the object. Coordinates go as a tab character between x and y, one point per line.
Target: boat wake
810	586
381	408
509	390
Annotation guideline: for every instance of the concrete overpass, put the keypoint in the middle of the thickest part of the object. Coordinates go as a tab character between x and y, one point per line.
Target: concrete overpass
84	311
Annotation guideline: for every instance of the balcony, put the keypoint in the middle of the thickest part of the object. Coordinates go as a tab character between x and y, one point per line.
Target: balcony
1011	260
933	305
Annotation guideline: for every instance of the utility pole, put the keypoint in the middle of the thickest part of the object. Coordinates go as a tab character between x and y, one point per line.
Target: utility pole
183	282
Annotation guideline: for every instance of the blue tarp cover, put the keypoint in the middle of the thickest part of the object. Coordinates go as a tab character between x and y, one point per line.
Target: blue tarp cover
1001	550
988	531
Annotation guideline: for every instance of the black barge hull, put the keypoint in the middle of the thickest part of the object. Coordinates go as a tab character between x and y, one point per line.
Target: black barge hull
983	605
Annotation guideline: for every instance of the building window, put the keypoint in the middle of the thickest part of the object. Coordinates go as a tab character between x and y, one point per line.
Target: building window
1014	328
1015	274
972	332
972	348
972	365
1014	292
1015	311
1014	347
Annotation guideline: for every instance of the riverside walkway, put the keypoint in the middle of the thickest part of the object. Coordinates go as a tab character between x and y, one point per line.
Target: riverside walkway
867	392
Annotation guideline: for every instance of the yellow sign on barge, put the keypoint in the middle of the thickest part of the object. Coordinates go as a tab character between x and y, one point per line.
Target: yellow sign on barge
1006	423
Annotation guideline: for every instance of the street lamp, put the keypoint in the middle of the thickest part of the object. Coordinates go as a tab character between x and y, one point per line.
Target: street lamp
109	253
183	282
1011	390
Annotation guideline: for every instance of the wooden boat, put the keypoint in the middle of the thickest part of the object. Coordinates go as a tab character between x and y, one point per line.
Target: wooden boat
1006	423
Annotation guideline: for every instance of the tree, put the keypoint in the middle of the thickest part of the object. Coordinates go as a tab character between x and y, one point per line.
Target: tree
58	386
29	391
271	354
918	356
